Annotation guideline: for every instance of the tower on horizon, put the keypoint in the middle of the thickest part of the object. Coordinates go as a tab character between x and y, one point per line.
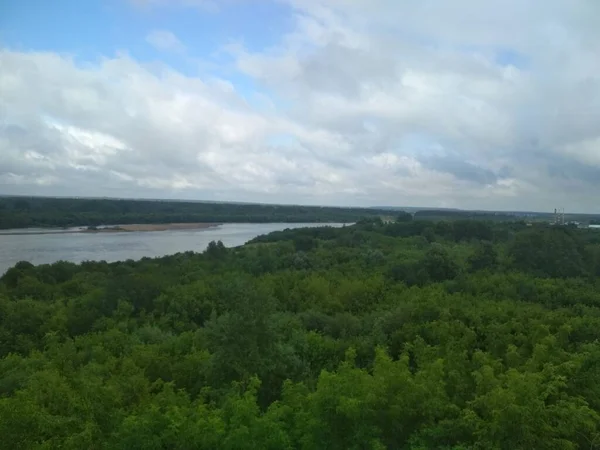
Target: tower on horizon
559	216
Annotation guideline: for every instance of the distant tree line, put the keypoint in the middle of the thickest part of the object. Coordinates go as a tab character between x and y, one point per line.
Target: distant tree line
20	212
435	214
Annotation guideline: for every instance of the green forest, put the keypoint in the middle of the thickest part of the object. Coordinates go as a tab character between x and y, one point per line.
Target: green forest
408	335
33	212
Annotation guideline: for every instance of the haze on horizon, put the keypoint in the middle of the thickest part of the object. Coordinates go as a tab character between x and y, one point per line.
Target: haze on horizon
466	104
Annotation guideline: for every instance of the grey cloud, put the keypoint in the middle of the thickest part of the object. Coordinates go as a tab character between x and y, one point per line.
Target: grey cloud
451	85
461	169
339	69
574	172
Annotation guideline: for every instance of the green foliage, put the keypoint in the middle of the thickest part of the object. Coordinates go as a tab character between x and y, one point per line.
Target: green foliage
485	257
401	335
553	252
438	265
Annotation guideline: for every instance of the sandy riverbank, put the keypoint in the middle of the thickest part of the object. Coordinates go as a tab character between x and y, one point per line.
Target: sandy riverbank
150	227
112	229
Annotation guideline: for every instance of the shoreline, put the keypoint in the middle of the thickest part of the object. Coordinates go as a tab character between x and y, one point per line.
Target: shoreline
137	227
128	228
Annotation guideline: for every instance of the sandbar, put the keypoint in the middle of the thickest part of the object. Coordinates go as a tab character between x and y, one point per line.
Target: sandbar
112	228
150	227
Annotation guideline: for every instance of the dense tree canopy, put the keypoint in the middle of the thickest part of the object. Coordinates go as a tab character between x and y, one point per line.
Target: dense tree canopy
406	335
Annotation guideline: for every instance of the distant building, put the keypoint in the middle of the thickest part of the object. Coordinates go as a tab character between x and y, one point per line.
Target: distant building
594	227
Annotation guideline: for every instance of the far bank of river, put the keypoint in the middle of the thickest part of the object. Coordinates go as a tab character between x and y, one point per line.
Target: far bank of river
110	228
44	246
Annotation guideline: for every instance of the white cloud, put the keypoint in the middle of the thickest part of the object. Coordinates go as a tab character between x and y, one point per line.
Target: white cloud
165	41
474	104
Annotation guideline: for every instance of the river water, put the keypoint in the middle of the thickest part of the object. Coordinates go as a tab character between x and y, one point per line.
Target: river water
53	245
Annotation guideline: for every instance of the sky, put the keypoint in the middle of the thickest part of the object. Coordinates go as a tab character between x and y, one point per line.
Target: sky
464	104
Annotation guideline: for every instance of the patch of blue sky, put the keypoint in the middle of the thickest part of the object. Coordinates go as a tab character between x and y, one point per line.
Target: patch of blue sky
282	139
501	56
94	28
508	57
66	26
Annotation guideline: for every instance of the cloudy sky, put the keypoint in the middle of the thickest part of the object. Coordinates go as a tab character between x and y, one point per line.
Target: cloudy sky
465	103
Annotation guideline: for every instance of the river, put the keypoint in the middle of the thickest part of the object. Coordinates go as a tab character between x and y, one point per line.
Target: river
46	246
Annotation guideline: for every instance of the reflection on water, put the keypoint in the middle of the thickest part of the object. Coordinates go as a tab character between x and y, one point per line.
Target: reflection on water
29	245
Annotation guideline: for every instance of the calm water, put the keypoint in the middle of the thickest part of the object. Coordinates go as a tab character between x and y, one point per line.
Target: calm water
25	245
